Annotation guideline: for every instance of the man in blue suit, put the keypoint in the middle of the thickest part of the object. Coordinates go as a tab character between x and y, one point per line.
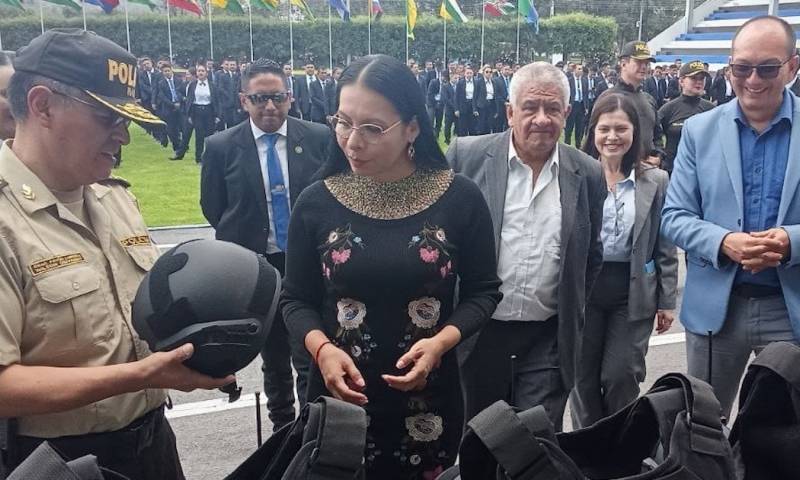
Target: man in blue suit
733	205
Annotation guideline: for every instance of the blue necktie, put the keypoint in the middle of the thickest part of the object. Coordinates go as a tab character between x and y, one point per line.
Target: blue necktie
172	90
277	188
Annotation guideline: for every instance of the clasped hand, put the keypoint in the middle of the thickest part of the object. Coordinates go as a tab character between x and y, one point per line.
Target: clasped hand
757	251
345	382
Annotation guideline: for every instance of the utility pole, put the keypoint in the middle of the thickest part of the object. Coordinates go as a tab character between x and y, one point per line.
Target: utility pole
641	17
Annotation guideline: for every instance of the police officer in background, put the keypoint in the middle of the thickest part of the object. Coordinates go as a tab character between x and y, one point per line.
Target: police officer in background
73	250
693	77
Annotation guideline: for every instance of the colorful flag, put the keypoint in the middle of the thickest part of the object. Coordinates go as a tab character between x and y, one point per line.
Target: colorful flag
265	4
411	17
106	5
451	11
66	3
528	10
229	5
377	10
188	5
498	8
343	7
12	3
303	6
146	3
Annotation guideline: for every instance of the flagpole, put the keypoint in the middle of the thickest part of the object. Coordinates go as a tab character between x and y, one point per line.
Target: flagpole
369	27
83	11
483	21
1	41
169	30
210	30
41	14
291	37
518	22
250	17
127	26
444	61
330	38
406	32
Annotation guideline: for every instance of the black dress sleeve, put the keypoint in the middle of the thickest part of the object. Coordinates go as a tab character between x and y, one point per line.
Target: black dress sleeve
303	287
479	285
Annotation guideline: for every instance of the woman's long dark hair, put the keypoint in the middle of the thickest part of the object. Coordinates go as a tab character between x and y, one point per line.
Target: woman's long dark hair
609	103
392	80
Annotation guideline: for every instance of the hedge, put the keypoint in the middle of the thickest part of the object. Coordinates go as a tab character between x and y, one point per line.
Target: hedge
574	34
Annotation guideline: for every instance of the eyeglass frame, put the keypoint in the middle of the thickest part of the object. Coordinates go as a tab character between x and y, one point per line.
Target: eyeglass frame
333	121
117	119
271	96
758	69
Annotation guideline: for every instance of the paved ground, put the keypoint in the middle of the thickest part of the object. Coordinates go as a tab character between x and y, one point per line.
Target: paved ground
214	436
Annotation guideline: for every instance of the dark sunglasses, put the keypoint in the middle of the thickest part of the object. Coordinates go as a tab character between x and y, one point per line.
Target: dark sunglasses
263	98
768	71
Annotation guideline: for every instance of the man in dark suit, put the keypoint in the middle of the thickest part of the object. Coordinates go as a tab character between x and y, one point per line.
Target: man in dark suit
709	83
227	81
430	73
291	86
310	96
486	89
546	277
601	82
503	81
202	109
251	176
330	91
146	80
722	88
168	93
673	87
579	100
448	98
466	113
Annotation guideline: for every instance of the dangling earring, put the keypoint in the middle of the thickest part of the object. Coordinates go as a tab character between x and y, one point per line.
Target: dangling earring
411	151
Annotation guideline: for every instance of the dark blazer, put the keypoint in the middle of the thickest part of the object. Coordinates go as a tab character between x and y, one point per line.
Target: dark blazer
480	93
449	98
332	103
145	86
708	87
189	102
232	193
433	90
312	101
662	89
462	104
484	159
651	86
422	81
163	96
600	86
673	88
501	91
229	86
584	89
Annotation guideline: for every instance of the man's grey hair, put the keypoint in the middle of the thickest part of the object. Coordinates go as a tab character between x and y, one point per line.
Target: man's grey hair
538	73
22	82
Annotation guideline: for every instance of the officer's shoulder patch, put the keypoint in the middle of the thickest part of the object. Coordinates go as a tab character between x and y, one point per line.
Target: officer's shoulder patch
114	180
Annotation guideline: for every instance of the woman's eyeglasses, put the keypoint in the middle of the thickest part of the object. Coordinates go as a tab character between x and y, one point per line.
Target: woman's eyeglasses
767	71
370	133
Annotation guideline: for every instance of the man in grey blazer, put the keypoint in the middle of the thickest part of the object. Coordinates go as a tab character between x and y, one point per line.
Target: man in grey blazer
546	201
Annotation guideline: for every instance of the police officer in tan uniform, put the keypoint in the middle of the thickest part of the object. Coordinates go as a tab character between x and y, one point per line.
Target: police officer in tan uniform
73	249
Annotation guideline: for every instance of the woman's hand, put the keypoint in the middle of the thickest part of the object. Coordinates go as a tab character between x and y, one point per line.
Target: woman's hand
341	376
425	355
664	319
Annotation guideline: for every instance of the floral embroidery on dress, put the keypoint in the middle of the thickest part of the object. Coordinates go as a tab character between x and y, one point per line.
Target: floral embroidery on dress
421	448
338	249
424	312
425	427
432	245
353	336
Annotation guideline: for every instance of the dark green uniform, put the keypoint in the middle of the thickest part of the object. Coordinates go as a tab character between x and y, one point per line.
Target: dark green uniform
671	117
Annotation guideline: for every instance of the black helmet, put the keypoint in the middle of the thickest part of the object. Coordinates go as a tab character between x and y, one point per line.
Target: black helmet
216	295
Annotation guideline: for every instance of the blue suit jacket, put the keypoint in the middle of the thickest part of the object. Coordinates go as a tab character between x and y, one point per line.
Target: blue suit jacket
704	203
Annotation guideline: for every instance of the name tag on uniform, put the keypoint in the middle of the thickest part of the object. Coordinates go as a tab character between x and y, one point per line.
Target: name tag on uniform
650	267
136	241
54	263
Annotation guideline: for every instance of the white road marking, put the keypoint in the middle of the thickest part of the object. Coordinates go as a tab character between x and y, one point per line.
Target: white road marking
249	400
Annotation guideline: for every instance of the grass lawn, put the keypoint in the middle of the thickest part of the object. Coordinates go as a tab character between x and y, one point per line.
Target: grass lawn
168	191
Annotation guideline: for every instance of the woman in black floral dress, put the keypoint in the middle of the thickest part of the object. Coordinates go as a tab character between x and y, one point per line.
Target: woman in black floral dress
376	250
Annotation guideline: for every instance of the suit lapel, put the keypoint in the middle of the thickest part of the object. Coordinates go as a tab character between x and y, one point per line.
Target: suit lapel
296	158
792	168
644	195
569	183
729	138
251	164
497	180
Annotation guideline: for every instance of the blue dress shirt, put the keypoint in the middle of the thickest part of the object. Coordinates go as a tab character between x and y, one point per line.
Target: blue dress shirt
619	214
764	159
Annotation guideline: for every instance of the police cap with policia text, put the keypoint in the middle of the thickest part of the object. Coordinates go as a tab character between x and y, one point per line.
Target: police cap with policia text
636	50
101	68
690	69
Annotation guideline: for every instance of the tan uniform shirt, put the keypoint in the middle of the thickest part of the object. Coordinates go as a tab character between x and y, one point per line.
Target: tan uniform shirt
66	290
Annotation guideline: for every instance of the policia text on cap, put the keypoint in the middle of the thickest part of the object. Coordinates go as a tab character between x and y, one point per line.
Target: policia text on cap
73	250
